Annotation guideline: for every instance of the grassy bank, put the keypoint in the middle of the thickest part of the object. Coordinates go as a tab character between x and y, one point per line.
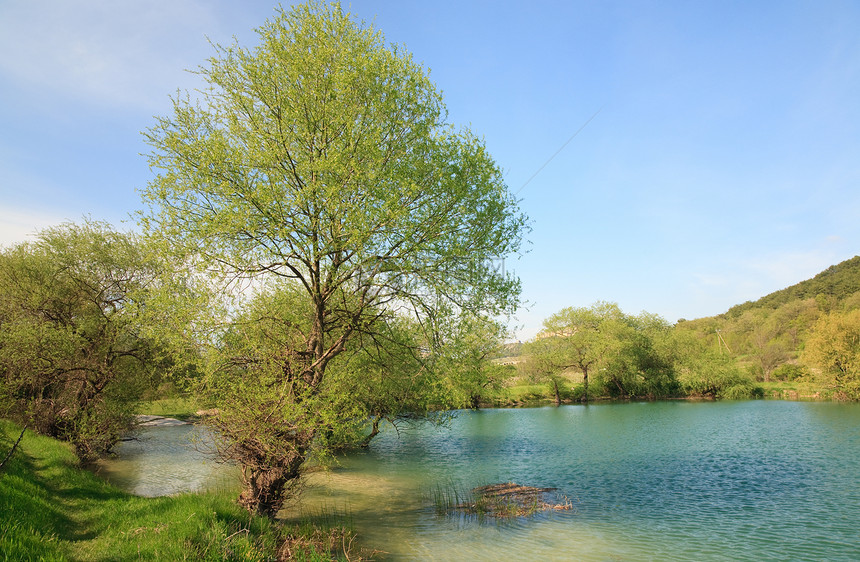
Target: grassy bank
181	407
797	390
53	510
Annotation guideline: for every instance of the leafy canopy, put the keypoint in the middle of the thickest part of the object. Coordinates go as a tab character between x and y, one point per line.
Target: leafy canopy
73	357
323	158
834	348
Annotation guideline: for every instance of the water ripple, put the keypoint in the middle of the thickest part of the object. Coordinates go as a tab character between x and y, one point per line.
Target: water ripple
755	480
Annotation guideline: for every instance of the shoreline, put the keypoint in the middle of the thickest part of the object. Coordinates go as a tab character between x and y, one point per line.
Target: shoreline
147	420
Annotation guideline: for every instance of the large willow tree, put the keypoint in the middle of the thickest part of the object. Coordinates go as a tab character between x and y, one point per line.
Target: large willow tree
323	156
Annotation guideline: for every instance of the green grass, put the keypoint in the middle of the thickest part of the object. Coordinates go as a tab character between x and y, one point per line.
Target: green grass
182	408
523	393
796	390
53	510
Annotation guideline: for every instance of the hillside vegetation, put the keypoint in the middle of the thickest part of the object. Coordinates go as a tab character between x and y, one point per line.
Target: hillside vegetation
770	336
801	341
837	285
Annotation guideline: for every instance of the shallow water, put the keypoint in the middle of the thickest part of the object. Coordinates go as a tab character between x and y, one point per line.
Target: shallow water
652	481
161	461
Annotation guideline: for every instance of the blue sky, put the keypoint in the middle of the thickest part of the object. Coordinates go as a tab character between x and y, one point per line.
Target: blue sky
723	162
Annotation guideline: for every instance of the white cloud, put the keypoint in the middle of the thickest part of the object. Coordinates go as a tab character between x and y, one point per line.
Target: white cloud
121	53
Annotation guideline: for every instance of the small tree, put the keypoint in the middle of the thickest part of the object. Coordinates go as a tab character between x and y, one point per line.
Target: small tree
767	347
572	339
637	358
628	353
72	358
834	347
323	156
704	371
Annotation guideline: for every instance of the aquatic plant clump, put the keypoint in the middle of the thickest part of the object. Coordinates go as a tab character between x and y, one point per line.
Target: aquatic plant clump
502	500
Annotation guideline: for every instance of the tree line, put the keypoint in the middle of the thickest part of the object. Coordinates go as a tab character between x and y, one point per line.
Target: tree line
809	333
622	356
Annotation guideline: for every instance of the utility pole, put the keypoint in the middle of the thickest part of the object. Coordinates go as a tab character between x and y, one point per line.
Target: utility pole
721	342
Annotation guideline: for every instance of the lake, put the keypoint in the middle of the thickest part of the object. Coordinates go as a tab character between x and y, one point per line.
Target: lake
676	480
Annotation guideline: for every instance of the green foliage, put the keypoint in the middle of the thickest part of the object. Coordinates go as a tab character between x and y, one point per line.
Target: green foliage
834	348
791	372
462	358
387	372
705	371
322	156
637	357
72	357
625	353
570	339
635	363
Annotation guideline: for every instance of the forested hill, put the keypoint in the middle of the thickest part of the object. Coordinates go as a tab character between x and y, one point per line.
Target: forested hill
832	287
773	331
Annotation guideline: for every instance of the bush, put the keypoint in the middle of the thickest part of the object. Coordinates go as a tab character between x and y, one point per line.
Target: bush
741	391
790	372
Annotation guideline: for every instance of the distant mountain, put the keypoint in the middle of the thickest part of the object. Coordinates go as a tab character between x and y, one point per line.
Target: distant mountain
835	284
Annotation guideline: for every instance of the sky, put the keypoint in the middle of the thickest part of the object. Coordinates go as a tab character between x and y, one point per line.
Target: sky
674	157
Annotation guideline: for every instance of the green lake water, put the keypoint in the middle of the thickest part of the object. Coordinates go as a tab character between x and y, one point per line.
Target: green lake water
754	480
160	461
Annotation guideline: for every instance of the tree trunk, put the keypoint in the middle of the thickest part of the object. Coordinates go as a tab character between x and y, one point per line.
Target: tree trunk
374	431
475	402
585	383
557	392
267	488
